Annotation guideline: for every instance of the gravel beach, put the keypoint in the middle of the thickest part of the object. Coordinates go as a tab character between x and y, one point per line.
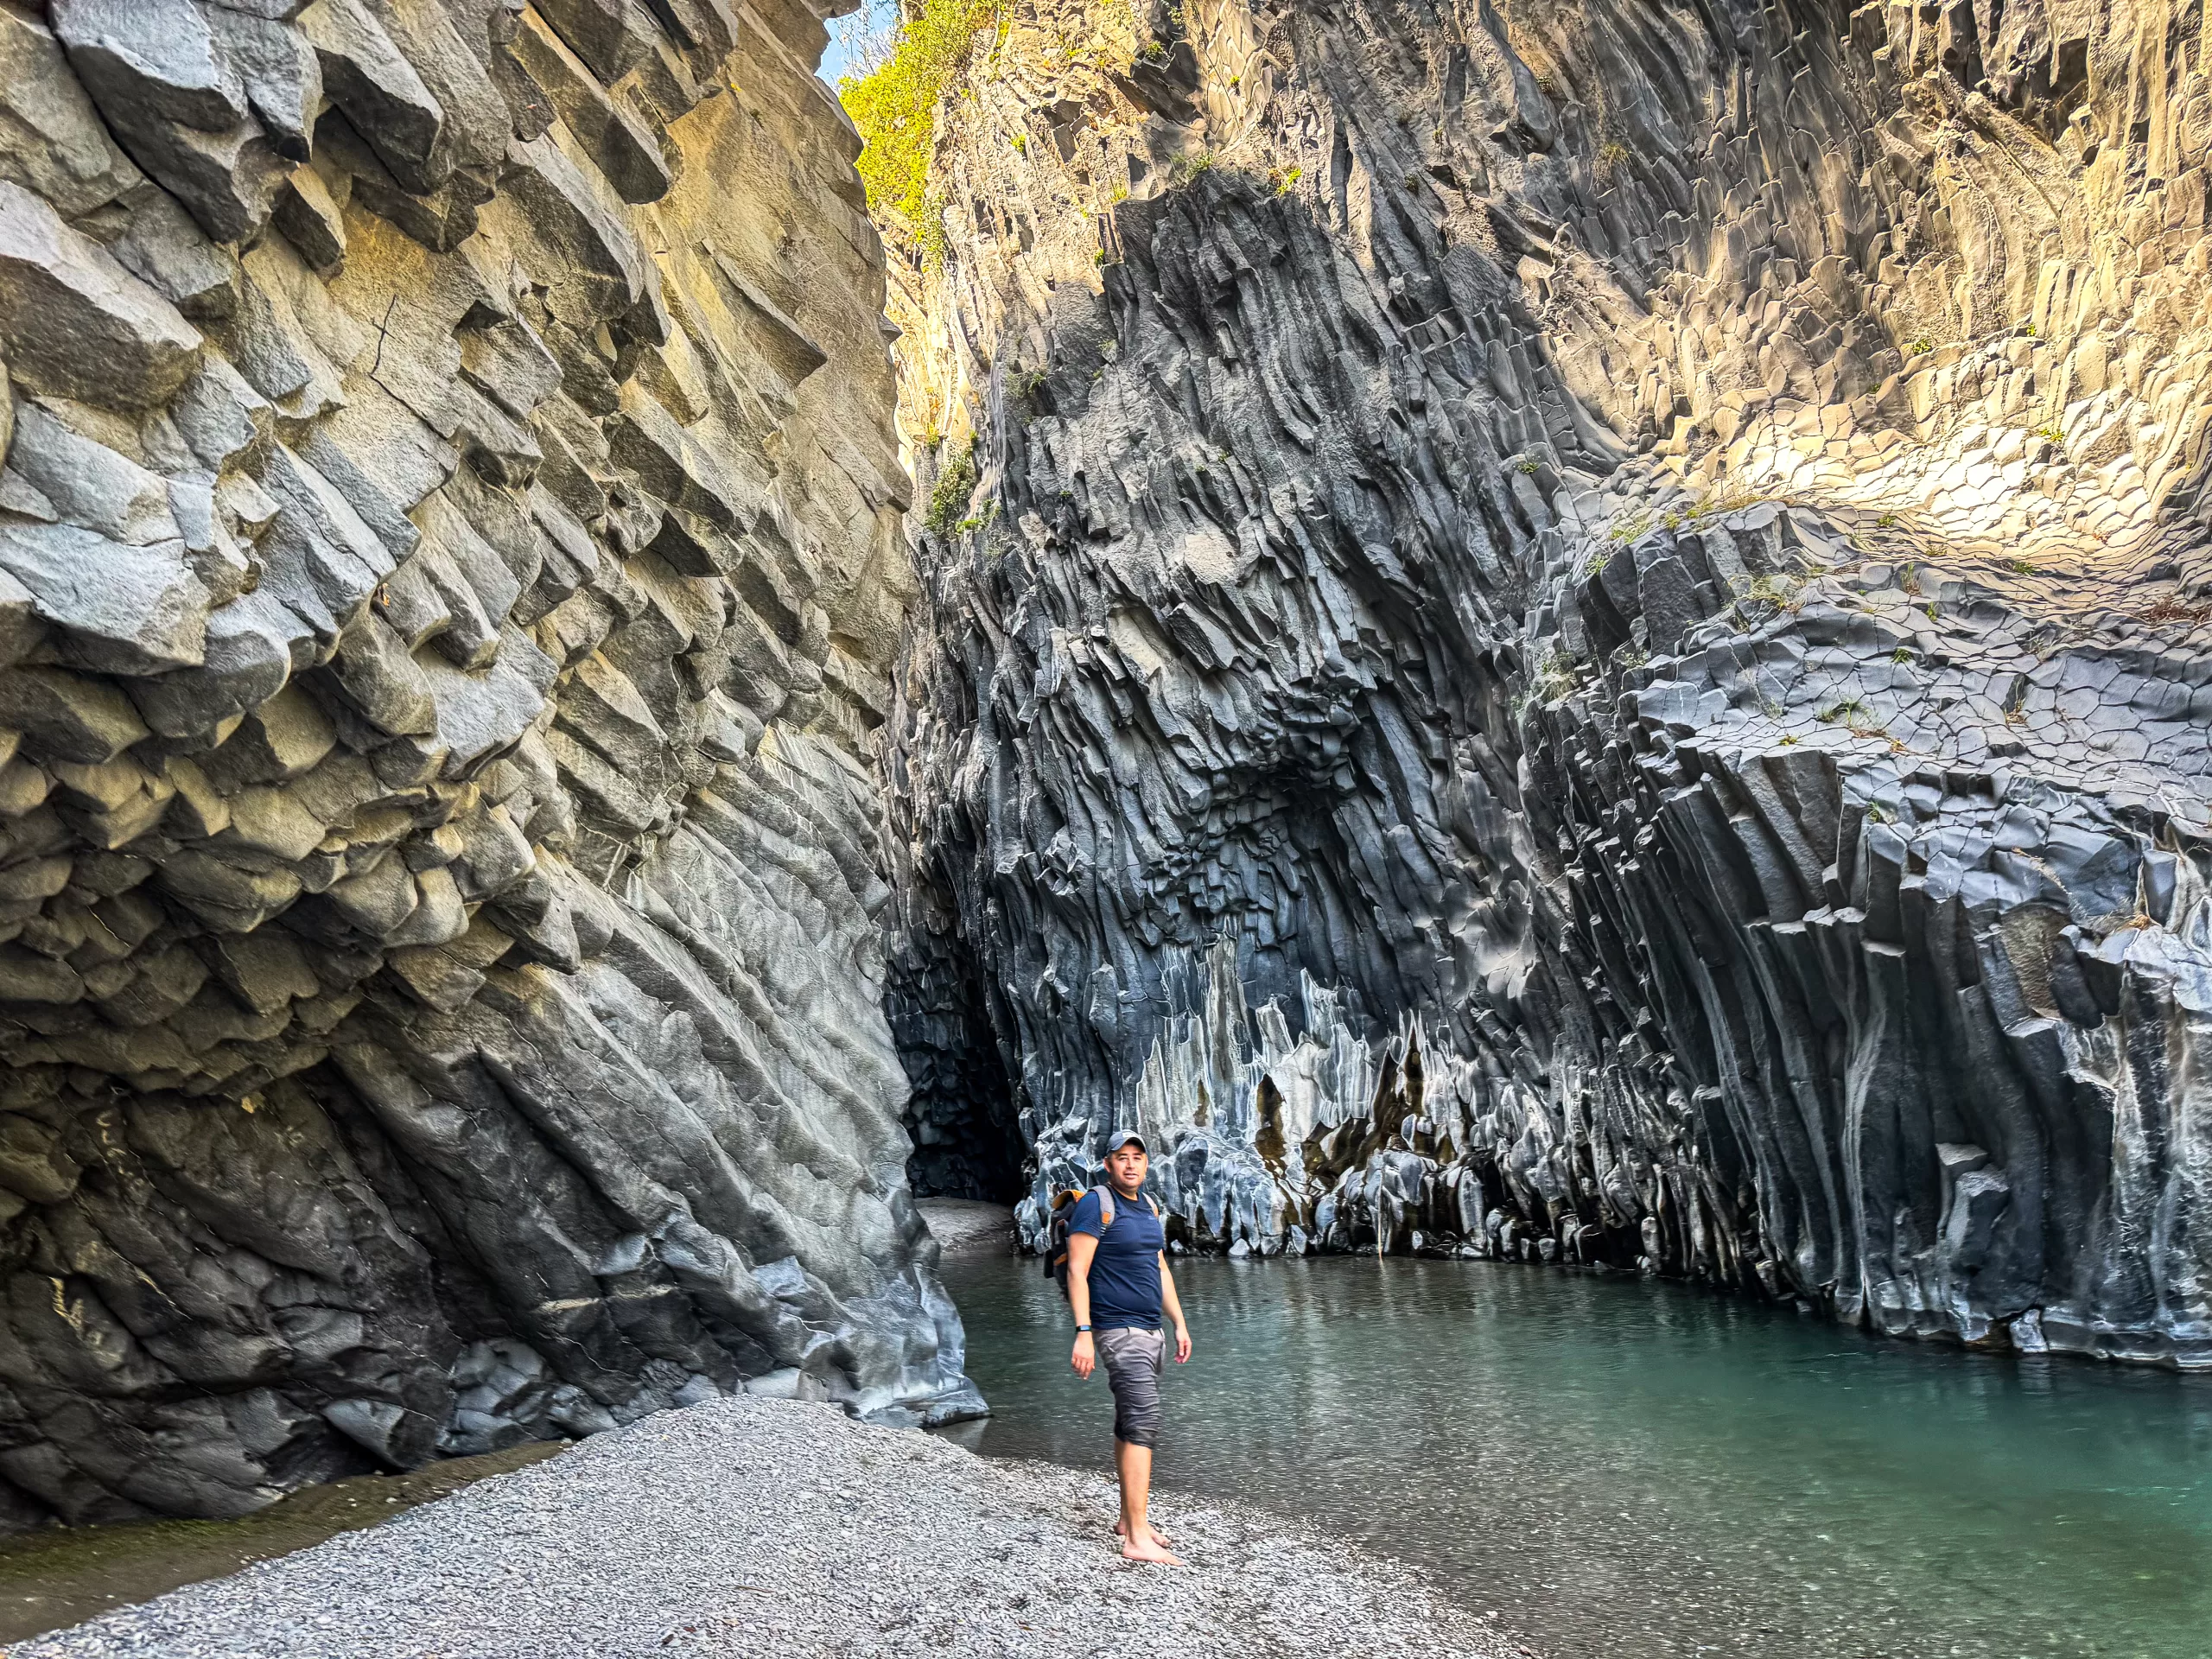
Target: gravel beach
751	1526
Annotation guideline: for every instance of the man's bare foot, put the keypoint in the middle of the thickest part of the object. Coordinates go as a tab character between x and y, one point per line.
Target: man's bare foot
1151	1549
1121	1531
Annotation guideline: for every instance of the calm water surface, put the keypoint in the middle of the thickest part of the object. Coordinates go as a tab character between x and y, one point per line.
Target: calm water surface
1623	1469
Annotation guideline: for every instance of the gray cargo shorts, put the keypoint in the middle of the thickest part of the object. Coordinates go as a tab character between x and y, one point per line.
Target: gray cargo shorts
1134	1360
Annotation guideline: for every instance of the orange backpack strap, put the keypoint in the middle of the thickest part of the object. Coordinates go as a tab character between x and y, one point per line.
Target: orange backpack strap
1106	1208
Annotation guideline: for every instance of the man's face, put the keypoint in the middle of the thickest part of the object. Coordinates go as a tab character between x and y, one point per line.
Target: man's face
1127	1164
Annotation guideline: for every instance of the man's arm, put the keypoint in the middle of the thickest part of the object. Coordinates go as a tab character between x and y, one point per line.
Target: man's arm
1081	1248
1174	1304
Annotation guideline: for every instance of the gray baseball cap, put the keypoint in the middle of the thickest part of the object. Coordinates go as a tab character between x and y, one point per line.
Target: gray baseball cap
1121	1138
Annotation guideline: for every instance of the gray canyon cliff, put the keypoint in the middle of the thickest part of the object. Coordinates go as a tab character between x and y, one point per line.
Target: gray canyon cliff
1568	630
449	556
1578	630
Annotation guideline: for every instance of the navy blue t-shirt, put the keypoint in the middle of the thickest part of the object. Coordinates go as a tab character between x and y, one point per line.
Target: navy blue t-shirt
1125	1274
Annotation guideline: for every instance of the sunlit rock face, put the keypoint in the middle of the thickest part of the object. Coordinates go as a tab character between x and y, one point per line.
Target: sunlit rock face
1582	634
449	554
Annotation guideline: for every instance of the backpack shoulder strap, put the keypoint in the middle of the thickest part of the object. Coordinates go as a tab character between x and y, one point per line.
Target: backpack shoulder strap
1105	1208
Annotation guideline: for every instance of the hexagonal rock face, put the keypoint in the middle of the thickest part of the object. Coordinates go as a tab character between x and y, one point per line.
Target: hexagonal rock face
449	554
1582	635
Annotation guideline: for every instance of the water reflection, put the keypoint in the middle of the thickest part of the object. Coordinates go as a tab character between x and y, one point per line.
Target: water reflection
1625	1469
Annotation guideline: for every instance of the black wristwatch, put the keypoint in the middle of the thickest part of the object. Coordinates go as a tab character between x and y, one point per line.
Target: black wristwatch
1080	1329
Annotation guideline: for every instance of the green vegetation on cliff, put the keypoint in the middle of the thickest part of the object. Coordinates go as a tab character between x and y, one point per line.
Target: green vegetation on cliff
955	486
894	107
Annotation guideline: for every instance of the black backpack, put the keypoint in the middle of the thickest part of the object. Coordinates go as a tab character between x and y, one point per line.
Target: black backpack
1056	1251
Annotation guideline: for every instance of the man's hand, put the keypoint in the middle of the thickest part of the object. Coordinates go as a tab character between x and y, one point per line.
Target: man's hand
1182	1343
1086	1353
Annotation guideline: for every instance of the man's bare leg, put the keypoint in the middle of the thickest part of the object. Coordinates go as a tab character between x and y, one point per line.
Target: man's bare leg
1134	1465
1139	1541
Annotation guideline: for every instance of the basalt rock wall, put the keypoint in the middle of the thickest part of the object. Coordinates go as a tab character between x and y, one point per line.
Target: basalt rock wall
1581	633
449	553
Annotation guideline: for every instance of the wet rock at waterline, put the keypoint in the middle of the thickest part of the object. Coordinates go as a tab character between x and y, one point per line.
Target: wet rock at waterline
1580	633
448	558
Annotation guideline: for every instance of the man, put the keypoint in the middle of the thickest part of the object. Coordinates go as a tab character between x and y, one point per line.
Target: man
1118	1283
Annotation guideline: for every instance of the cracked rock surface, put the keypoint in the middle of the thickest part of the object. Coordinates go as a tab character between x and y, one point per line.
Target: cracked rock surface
1580	633
449	553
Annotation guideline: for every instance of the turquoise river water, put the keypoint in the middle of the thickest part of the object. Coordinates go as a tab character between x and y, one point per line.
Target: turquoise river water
1618	1468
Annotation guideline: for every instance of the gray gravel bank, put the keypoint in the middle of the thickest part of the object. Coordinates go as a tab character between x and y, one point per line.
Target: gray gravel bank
751	1526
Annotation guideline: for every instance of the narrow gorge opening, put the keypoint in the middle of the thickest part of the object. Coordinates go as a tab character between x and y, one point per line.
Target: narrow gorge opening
966	1125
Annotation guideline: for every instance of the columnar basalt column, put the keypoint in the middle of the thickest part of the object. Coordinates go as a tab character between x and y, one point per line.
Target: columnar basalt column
1581	633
